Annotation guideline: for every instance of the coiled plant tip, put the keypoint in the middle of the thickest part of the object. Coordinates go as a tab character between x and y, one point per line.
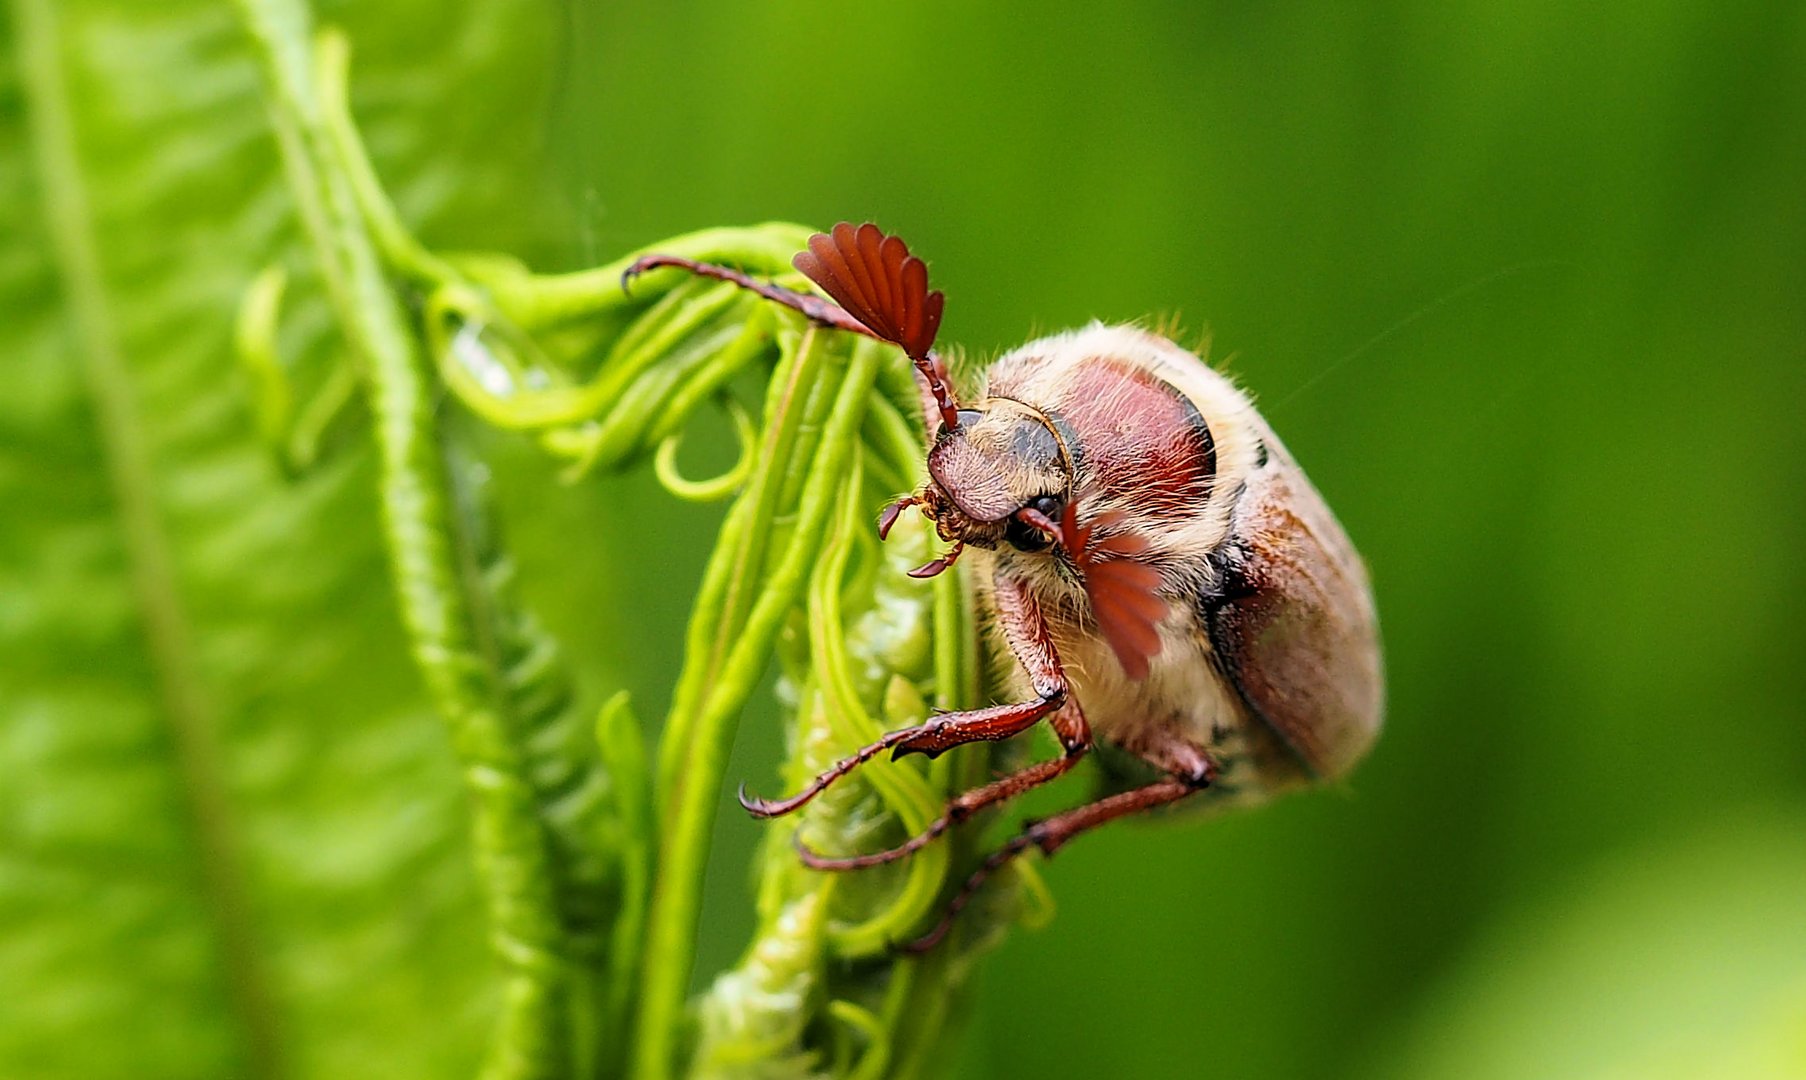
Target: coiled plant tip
590	847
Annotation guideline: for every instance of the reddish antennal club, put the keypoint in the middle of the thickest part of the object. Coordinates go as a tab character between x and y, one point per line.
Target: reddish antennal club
875	278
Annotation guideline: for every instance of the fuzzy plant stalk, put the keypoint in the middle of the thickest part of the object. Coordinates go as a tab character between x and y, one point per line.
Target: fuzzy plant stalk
590	848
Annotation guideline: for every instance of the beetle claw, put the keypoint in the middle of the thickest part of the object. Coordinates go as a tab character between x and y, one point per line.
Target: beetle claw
757	807
891	513
935	566
636	268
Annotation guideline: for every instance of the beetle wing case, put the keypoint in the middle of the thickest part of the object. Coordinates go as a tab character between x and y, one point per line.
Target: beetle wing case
1293	624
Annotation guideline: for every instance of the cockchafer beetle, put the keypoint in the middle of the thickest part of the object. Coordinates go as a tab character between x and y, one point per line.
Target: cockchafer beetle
1165	574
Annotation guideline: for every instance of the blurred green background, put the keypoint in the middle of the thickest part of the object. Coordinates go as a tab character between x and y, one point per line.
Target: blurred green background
1523	287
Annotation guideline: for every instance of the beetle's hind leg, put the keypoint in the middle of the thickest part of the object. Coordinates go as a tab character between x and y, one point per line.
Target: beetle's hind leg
1075	736
825	312
1192	771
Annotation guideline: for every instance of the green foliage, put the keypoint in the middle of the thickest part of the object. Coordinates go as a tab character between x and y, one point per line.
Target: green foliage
589	869
1520	287
1676	959
234	843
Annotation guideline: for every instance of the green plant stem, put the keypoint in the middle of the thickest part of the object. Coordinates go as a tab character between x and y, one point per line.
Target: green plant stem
691	802
903	791
543	301
533	1038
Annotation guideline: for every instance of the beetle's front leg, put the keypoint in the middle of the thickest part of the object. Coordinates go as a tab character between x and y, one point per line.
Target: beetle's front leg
818	310
1026	631
1075	735
932	738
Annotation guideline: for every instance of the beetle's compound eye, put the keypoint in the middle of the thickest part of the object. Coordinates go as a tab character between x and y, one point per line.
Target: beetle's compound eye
1025	537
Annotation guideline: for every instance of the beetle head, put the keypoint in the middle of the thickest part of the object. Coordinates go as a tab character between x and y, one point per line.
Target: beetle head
1001	472
1000	459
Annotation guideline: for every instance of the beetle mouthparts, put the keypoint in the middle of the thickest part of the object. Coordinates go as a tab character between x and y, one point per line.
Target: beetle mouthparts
887	519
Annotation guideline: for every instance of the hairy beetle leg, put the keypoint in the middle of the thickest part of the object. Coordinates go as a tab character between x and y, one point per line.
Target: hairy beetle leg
958	810
1027	630
931	738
